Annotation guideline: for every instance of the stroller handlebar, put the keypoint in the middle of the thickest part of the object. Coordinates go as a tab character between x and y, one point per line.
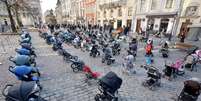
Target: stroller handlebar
11	58
5	88
11	69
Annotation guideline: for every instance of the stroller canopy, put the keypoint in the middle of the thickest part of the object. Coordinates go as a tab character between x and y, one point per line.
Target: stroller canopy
22	70
112	81
21	91
21	59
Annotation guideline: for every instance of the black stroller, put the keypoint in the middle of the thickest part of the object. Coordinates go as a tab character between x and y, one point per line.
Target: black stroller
191	91
25	91
108	86
154	78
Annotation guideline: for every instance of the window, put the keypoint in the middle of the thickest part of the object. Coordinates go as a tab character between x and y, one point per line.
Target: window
142	5
191	11
130	10
119	12
111	13
104	14
154	4
169	4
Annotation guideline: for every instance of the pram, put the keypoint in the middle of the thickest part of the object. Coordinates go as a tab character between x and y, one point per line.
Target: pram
25	73
23	51
174	69
108	87
153	78
191	91
23	60
191	61
25	91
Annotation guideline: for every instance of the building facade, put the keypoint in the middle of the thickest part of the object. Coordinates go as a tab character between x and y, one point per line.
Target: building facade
59	12
32	16
156	15
117	13
190	16
90	11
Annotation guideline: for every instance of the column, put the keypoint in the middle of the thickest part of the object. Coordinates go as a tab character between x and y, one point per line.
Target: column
157	24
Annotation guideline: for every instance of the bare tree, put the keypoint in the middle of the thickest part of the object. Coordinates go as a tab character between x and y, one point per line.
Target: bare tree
8	7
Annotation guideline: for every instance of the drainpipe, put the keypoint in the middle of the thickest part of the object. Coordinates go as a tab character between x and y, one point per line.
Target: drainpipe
177	20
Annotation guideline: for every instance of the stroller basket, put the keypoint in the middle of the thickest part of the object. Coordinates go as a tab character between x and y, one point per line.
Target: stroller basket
111	82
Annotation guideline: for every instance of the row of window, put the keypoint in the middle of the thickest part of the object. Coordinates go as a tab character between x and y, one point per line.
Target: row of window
130	10
155	4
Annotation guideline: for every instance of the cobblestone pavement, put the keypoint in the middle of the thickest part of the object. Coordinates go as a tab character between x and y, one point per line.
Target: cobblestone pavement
61	84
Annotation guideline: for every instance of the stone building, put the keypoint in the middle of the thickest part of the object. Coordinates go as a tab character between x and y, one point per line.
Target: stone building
32	16
117	13
156	15
190	20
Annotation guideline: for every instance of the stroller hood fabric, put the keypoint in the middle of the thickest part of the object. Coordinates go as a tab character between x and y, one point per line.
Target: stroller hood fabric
22	70
112	81
21	91
21	59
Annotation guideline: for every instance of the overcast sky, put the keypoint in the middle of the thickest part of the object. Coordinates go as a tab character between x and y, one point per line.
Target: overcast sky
48	4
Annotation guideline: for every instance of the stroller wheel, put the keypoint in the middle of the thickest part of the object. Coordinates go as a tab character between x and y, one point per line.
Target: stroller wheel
97	97
109	62
74	67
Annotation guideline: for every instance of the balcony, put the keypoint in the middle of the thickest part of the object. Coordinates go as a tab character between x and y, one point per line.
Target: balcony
115	4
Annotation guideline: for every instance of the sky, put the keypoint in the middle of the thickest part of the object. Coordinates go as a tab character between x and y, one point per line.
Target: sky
48	4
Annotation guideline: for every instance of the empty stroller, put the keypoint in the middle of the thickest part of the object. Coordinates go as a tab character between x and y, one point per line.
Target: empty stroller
23	60
23	51
25	91
25	73
191	90
174	69
191	61
29	47
154	78
108	87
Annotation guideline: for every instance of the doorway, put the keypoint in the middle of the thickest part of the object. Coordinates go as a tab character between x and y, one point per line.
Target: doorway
119	23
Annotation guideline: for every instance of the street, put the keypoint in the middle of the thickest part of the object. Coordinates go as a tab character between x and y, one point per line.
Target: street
60	83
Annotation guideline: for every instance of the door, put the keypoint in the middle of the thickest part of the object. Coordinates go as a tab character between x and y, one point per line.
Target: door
119	23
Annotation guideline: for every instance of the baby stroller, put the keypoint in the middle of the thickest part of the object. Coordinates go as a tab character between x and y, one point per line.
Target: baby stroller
154	78
90	74
77	65
25	73
25	91
174	69
23	51
191	90
68	57
108	87
23	60
29	47
191	61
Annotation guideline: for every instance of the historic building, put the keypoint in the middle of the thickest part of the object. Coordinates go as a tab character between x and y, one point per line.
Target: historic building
59	12
156	15
90	11
33	15
117	13
190	19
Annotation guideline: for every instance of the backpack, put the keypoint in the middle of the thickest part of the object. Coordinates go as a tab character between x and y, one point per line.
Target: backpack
148	48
